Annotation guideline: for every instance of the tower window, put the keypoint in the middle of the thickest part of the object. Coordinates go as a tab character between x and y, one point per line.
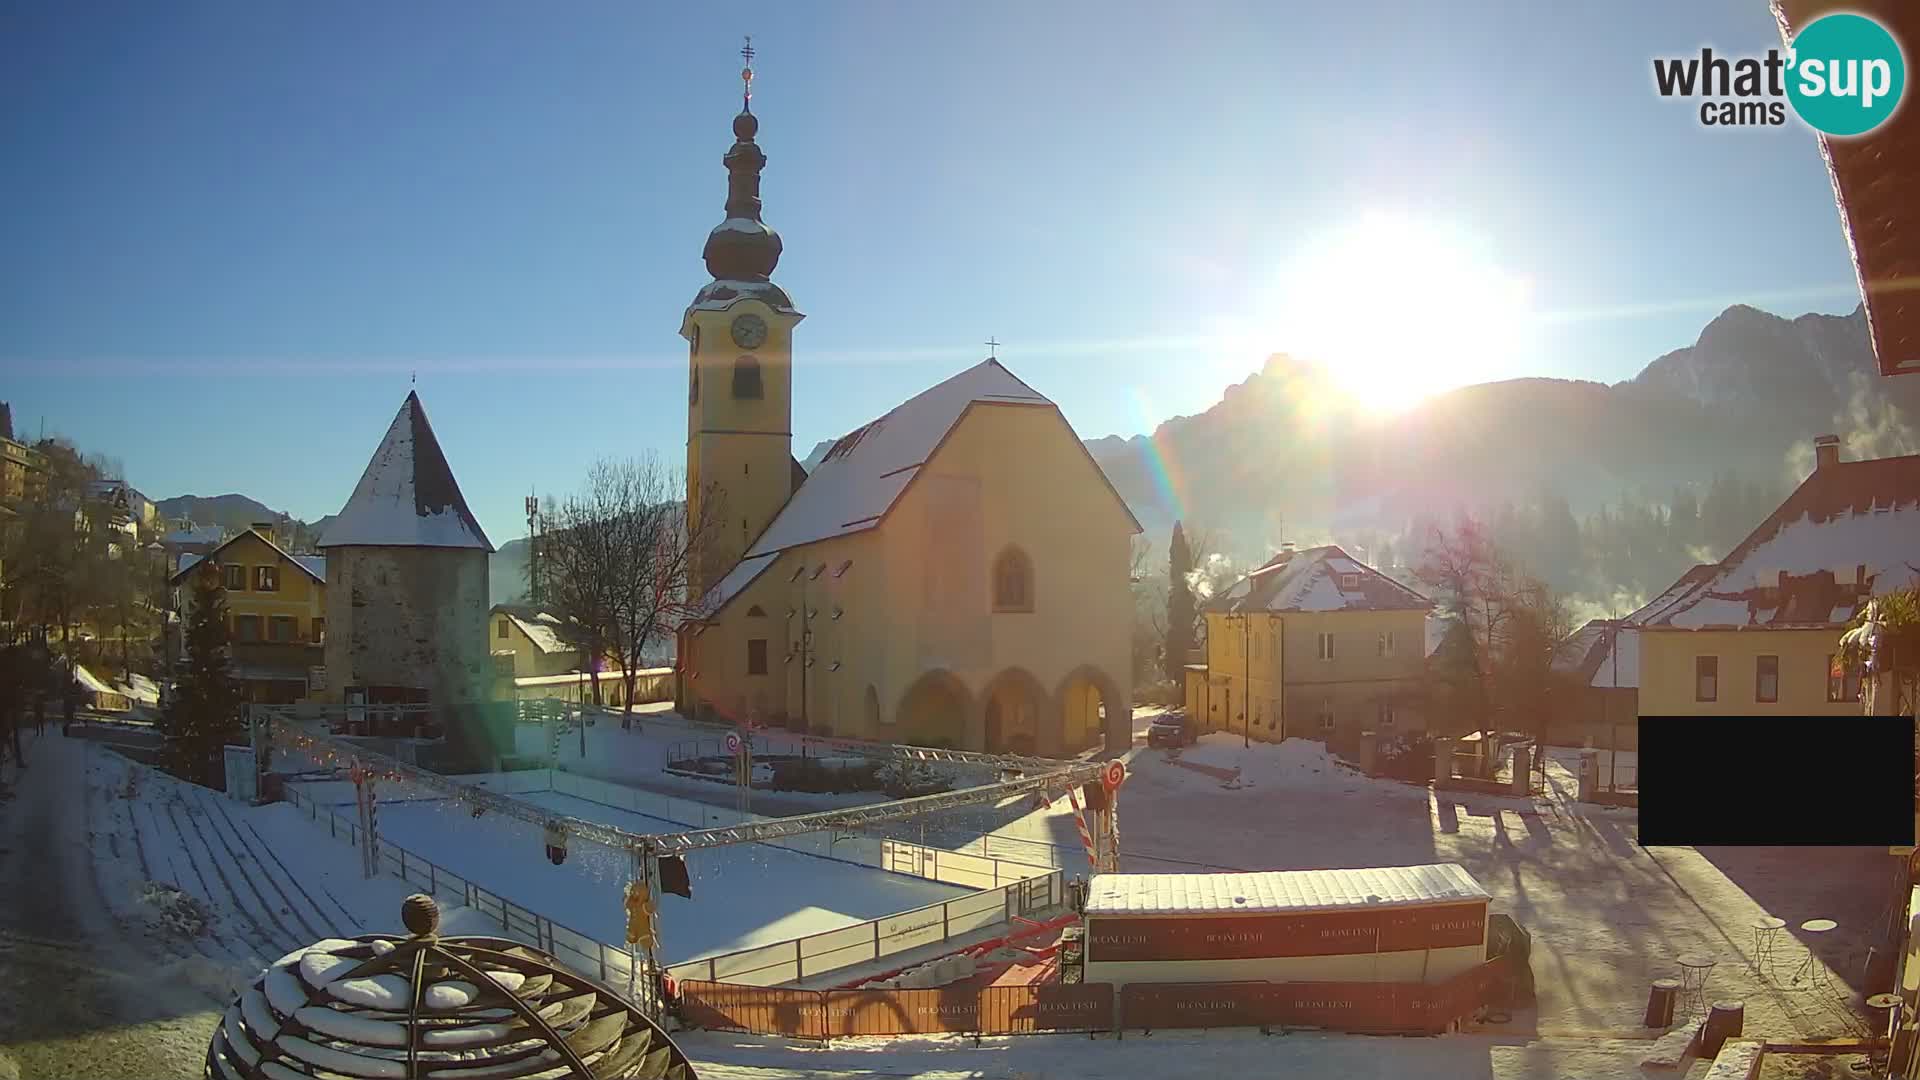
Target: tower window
1012	581
746	378
693	388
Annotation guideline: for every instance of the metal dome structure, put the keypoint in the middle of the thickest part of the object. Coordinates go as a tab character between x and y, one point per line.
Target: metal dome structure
461	1008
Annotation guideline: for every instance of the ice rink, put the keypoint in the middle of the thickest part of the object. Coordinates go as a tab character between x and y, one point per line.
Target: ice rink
743	896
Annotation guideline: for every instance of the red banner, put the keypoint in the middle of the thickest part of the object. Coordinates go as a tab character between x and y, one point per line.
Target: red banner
1112	939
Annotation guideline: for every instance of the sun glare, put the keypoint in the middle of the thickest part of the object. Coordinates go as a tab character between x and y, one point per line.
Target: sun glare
1399	309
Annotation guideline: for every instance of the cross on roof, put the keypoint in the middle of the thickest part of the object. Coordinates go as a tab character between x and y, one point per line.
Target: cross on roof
993	348
746	73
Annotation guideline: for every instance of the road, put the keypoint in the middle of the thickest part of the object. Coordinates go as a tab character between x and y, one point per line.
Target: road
81	993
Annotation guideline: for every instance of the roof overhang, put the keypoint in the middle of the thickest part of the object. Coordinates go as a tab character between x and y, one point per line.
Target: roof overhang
1872	178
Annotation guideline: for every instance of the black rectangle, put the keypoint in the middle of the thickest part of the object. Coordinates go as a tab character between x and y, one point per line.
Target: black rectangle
1776	781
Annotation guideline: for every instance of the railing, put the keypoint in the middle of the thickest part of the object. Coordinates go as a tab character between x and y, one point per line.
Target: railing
1008	888
876	939
577	950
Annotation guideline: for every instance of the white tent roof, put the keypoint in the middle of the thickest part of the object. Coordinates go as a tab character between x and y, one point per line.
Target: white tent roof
1273	891
407	497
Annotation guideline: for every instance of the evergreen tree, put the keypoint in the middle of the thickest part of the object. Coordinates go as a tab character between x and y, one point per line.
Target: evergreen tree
1179	604
204	711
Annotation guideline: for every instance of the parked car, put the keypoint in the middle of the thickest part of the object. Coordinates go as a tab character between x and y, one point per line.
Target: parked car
1172	729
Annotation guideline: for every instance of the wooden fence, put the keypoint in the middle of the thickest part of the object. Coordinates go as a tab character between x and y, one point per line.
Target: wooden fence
1372	1008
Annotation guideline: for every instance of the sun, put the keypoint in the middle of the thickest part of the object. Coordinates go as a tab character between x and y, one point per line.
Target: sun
1399	309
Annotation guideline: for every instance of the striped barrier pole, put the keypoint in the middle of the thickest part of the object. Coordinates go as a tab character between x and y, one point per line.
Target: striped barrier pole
1086	837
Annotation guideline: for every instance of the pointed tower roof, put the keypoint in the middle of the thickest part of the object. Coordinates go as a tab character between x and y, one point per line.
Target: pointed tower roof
407	497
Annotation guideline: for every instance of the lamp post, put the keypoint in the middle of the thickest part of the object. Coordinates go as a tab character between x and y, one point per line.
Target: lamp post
1246	661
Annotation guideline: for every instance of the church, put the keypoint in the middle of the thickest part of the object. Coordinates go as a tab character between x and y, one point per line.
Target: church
954	573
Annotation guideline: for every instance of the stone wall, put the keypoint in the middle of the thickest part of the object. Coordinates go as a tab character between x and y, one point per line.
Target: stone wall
408	617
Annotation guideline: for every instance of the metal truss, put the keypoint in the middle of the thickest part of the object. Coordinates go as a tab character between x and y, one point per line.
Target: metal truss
1043	775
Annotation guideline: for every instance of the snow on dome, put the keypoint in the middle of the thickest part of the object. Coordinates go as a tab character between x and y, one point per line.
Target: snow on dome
408	496
490	1007
1273	891
860	478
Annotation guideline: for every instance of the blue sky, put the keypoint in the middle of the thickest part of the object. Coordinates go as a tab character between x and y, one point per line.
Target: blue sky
233	231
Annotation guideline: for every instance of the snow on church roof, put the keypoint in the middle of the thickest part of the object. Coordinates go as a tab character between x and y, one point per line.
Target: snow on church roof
407	497
858	481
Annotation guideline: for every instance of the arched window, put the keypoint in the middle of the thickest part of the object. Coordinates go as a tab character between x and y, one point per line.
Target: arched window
746	378
873	707
1013	581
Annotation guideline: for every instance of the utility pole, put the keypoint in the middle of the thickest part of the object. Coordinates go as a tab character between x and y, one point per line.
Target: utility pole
533	548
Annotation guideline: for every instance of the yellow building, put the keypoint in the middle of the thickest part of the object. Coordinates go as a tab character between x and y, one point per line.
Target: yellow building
526	641
276	612
1314	644
960	566
1761	633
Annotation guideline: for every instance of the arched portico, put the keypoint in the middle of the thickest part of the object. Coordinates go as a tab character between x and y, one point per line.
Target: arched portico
1014	707
934	711
1091	706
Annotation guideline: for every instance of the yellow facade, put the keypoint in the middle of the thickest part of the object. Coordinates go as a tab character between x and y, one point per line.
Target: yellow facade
1670	665
739	447
1268	675
505	635
890	664
292	611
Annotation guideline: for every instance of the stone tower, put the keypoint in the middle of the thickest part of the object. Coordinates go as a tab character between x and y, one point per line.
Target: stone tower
407	579
739	330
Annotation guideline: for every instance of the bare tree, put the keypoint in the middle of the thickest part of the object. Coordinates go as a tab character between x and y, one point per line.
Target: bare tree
1511	624
618	561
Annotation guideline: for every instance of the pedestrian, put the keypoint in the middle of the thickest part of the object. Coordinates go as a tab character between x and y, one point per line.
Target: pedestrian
40	710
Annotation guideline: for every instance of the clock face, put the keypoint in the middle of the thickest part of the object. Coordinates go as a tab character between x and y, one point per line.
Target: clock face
749	331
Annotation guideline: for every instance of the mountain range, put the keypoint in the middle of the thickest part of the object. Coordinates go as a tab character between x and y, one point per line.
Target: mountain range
1285	455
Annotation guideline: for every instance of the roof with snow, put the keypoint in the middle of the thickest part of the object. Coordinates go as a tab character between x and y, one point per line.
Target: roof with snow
1318	579
204	534
863	475
1848	533
407	497
1871	176
315	566
541	627
1271	891
1587	655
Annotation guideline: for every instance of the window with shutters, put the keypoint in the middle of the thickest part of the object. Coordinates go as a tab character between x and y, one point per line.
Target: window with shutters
246	628
1843	683
235	577
266	579
281	628
1326	646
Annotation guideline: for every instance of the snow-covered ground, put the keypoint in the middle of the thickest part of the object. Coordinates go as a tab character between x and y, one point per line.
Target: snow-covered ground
195	890
742	896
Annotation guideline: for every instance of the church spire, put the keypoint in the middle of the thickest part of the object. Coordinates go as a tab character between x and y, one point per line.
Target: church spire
743	248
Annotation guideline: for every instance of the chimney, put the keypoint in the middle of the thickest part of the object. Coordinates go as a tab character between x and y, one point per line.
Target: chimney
266	529
1826	451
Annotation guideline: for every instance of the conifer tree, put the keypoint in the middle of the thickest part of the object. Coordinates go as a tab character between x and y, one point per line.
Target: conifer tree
204	711
1179	605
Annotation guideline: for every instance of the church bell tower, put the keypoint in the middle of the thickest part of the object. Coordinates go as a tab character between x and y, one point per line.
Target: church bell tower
739	331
